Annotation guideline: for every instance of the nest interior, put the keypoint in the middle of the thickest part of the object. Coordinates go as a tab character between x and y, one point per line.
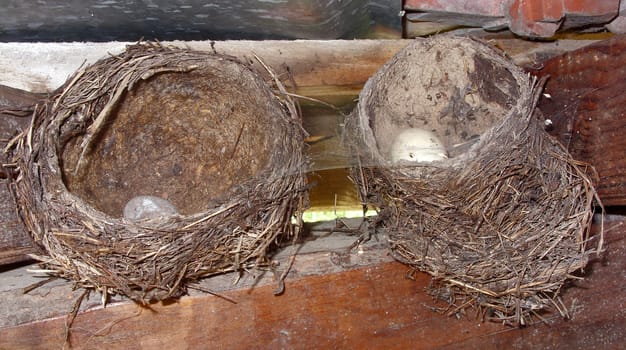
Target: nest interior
451	90
503	222
205	131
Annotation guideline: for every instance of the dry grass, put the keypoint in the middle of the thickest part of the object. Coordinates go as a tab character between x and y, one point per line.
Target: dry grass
500	227
149	262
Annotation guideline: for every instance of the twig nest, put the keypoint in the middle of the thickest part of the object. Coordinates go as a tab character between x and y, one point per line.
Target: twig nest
156	167
495	209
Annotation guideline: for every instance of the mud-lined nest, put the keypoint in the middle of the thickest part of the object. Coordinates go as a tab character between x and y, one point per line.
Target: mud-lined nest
200	130
503	221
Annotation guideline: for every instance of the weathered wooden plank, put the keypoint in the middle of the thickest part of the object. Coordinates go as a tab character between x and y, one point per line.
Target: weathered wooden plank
318	254
324	64
588	110
321	67
14	241
372	305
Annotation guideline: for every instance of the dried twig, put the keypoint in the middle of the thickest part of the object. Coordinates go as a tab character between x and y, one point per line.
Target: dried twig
500	226
155	260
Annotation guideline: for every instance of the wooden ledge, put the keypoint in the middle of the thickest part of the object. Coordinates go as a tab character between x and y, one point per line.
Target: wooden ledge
332	300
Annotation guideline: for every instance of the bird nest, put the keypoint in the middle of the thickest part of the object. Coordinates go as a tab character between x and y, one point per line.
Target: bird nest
497	212
202	132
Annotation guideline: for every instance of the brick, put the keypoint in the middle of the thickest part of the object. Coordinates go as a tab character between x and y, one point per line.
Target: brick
531	18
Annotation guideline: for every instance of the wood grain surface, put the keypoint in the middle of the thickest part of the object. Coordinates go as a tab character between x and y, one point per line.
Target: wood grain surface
369	306
587	106
14	240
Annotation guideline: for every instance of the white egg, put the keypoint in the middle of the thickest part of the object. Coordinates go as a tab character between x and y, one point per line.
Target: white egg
417	145
148	207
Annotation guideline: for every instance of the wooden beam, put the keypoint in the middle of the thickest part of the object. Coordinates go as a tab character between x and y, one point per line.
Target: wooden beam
587	107
367	305
43	67
316	64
